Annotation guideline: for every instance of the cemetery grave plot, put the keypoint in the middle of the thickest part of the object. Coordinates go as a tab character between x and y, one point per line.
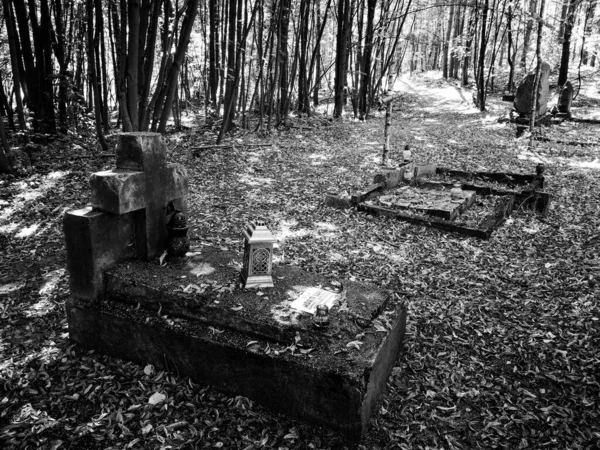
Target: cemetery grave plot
192	316
434	202
421	194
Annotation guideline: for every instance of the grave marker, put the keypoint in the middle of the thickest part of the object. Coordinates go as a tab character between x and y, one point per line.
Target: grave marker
565	99
524	95
127	216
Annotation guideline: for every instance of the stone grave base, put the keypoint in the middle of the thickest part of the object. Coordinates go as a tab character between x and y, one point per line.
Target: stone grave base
192	318
511	190
522	122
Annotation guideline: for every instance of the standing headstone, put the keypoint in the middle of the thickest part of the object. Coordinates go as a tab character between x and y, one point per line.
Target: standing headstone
524	95
565	98
127	217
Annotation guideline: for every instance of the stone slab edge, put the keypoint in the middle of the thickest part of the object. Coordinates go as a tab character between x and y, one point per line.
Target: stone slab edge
343	401
94	241
484	229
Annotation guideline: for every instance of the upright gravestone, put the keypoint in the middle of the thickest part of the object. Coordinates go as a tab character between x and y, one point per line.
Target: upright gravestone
127	217
565	99
524	96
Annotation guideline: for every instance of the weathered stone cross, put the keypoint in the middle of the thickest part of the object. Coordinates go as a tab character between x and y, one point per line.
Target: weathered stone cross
127	216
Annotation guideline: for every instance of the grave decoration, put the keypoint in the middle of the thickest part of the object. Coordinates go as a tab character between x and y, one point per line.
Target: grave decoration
469	203
258	256
190	315
177	243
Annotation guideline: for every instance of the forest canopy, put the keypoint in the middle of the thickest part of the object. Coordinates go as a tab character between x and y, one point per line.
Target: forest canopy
135	64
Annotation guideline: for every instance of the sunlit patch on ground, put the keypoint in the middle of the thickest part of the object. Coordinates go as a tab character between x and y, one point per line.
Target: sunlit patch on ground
255	181
27	231
595	164
11	287
287	231
326	226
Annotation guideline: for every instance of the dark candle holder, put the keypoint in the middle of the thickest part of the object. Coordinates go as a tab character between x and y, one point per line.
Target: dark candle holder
177	243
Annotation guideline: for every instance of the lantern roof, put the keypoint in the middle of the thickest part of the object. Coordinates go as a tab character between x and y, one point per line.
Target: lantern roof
257	232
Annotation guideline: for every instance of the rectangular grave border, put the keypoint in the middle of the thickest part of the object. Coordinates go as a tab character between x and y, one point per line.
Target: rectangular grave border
523	191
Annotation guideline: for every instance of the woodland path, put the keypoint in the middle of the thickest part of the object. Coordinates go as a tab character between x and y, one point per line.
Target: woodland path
503	337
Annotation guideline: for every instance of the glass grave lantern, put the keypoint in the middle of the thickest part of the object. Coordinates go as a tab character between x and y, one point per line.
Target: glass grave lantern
258	255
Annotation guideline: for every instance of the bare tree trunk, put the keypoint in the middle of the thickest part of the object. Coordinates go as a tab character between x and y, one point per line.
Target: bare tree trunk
528	30
365	84
469	45
480	71
13	45
284	59
510	57
563	72
303	74
27	53
341	56
148	65
63	62
120	33
92	74
447	41
5	166
213	74
133	19
536	83
186	31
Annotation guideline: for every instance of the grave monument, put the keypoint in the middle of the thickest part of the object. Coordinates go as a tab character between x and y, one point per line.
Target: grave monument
193	316
524	96
565	99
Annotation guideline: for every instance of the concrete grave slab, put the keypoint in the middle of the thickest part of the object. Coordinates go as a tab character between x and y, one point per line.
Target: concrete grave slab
192	317
206	327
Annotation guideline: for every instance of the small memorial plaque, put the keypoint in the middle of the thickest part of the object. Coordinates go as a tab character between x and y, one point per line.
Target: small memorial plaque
313	297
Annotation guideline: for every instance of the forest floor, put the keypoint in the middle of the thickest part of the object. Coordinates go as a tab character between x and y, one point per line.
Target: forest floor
503	340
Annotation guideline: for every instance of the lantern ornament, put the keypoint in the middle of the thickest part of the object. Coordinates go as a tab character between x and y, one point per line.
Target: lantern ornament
258	255
177	243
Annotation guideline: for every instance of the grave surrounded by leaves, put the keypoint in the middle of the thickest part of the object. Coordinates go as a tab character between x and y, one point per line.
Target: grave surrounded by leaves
421	194
190	315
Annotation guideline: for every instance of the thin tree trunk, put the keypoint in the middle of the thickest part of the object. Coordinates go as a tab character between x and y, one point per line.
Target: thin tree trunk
13	45
284	59
303	74
213	73
92	74
133	19
61	56
447	41
365	84
341	56
5	166
563	71
148	66
481	59
186	31
528	30
536	83
510	58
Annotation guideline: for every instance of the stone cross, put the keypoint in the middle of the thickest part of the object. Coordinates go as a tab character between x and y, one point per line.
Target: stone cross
127	217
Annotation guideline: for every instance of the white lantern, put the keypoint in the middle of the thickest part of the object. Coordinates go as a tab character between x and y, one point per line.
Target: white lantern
258	255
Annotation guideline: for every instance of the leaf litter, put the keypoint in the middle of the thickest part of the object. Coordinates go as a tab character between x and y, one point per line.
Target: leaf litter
503	337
